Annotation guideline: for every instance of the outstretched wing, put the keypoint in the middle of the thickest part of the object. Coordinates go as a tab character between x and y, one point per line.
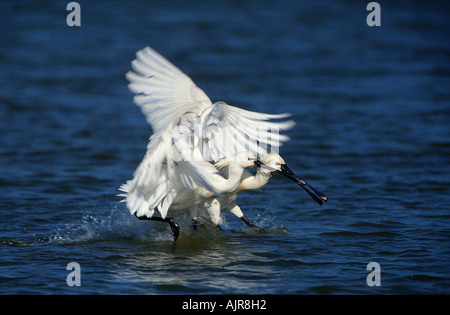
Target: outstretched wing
163	92
228	130
165	96
189	132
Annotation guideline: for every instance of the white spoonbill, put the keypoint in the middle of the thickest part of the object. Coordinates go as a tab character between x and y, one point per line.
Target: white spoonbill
267	165
190	133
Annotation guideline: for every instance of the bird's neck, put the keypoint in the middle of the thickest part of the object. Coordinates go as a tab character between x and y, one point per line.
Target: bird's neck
234	177
257	181
220	183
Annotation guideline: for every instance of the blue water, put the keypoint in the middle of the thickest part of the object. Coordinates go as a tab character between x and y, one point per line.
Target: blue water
372	106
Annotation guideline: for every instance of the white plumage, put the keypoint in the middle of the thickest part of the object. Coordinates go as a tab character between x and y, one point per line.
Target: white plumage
190	135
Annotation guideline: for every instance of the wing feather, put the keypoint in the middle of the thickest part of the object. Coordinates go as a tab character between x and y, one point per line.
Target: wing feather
189	132
235	130
162	89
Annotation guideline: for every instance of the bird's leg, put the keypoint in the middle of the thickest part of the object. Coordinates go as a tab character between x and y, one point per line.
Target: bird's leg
194	214
174	227
238	212
213	209
247	221
234	209
173	224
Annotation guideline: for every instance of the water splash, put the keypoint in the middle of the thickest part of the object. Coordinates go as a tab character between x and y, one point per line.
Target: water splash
117	224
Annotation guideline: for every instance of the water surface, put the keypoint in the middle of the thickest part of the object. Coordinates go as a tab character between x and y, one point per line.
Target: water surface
372	111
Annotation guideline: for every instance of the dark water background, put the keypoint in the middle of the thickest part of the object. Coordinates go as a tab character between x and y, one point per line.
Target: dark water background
372	111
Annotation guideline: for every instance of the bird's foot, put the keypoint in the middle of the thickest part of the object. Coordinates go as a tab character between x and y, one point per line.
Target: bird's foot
220	228
173	224
174	227
252	226
194	224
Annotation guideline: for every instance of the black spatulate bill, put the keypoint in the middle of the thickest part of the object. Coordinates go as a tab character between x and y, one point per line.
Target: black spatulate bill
315	194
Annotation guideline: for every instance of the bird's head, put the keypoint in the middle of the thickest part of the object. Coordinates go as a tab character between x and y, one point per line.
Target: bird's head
270	162
274	163
244	159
